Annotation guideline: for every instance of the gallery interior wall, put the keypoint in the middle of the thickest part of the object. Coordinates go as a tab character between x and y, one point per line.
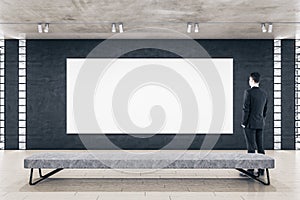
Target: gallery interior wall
46	90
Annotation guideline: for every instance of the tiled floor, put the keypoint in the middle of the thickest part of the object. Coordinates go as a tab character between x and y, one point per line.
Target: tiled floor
145	184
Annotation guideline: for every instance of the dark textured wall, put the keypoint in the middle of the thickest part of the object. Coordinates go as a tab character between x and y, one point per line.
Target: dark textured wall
11	94
46	90
288	94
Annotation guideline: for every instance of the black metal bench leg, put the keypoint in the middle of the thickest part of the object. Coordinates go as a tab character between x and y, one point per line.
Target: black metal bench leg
40	173
256	177
42	177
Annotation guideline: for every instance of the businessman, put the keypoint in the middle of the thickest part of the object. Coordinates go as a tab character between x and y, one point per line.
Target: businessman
253	119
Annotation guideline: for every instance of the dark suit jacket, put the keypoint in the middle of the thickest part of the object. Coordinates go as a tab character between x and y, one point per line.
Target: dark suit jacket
254	108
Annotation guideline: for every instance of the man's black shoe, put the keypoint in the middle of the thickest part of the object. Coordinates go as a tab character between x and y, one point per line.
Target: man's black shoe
249	171
261	172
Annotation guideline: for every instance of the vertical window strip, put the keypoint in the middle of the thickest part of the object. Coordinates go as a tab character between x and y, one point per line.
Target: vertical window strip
297	94
277	94
2	93
22	94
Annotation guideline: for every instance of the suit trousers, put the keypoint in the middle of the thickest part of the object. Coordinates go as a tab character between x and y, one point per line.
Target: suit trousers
254	138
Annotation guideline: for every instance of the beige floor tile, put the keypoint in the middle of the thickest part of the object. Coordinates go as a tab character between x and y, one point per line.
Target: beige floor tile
158	195
39	196
122	195
191	195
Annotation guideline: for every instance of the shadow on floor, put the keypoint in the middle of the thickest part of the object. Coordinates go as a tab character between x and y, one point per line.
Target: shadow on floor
148	184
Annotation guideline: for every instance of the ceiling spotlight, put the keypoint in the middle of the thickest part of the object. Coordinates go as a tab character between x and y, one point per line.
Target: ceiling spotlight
46	28
113	28
121	30
263	28
189	27
196	28
40	28
270	28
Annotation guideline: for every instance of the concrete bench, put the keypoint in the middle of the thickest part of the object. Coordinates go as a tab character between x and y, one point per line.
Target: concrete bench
156	160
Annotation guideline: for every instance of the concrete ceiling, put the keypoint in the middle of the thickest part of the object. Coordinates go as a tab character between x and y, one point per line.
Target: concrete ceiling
218	19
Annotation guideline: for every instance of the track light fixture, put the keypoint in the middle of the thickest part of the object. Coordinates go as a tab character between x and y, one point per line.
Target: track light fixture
263	28
113	28
196	28
267	27
43	30
270	28
46	28
40	28
121	30
189	27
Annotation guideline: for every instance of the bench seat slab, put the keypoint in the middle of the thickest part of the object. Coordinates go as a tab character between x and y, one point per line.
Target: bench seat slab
163	159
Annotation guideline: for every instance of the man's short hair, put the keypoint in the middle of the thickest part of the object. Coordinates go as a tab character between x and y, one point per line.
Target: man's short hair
255	76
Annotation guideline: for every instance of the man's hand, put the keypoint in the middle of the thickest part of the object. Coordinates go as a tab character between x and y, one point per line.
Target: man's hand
243	125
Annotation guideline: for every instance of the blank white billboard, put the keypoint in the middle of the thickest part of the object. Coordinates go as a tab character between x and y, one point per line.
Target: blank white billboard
138	96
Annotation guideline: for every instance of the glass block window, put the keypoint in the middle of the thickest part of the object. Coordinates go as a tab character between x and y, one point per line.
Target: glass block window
22	94
277	94
2	91
297	94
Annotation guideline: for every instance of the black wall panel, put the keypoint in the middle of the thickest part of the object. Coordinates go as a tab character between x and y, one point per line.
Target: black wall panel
288	94
46	90
11	94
